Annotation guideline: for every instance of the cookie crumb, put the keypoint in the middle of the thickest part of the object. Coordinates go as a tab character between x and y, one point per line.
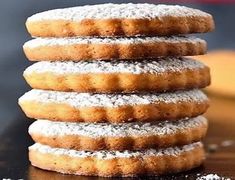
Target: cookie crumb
213	148
227	143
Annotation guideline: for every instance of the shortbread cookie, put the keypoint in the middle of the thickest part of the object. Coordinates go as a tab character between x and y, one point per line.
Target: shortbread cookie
87	107
117	163
156	75
119	19
123	136
84	48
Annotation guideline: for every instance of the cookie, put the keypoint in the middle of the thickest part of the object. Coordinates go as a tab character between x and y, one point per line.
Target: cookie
87	48
119	20
148	162
123	136
158	75
87	107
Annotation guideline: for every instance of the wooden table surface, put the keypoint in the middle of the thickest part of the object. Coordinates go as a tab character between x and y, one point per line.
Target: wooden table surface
221	136
219	143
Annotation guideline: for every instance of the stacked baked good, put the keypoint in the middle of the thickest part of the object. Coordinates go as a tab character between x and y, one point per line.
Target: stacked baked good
112	92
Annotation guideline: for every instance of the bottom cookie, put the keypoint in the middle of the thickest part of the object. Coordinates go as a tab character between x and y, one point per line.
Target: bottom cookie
117	163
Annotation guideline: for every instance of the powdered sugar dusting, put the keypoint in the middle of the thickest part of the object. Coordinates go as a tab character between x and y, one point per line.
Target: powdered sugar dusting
49	128
118	11
212	177
34	43
153	66
175	151
77	100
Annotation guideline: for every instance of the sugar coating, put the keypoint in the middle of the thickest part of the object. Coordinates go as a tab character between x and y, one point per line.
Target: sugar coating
118	11
34	43
153	66
212	177
175	151
49	128
78	100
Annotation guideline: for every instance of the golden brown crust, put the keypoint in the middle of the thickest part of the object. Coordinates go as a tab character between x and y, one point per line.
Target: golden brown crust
152	165
120	82
76	52
121	27
138	113
185	136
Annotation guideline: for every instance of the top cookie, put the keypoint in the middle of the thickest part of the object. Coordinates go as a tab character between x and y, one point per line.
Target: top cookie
119	20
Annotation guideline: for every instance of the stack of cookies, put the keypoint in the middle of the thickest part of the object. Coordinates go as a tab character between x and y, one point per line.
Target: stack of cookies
112	92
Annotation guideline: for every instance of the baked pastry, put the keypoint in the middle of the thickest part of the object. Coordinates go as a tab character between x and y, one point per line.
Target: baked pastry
112	93
148	162
158	75
119	20
86	48
123	136
115	108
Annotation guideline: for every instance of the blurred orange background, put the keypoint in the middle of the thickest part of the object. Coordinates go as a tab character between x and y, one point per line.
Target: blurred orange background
222	88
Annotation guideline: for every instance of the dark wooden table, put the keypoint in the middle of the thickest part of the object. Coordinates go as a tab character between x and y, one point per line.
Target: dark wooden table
220	145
